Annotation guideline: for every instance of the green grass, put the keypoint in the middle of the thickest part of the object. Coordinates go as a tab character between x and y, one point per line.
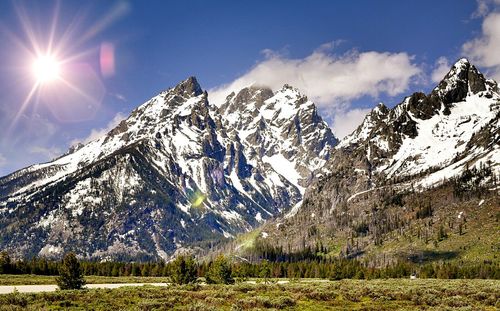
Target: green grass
479	240
26	279
392	294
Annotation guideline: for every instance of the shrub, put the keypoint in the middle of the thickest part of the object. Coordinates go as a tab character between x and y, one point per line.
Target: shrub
199	306
14	299
283	302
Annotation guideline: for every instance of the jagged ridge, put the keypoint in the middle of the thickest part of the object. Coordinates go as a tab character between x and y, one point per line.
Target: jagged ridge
177	174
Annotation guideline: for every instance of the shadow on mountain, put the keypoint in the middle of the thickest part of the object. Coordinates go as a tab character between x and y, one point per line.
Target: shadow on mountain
432	256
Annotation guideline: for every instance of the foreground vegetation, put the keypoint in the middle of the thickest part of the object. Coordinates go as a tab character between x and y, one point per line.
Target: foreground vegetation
31	279
388	294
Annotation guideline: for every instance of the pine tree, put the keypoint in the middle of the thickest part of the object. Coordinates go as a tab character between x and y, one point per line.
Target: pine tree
219	272
70	274
265	270
5	263
184	270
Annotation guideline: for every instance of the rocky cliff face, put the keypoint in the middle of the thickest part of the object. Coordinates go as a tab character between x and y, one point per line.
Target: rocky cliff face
424	139
422	143
179	173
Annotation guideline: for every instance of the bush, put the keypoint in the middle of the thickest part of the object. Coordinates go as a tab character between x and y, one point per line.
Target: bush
14	299
70	274
283	302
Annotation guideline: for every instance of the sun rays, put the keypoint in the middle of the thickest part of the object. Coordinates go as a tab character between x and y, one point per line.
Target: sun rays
59	61
46	69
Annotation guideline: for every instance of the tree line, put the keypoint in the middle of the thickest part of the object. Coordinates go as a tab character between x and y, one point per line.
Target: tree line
185	269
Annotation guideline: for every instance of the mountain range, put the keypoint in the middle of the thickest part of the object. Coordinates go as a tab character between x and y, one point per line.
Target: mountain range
404	180
177	174
183	174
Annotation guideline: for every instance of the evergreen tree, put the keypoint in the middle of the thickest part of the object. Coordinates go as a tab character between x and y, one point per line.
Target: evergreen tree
265	270
219	272
70	274
5	263
184	270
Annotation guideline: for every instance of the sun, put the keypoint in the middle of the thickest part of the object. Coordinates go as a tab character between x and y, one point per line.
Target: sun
46	69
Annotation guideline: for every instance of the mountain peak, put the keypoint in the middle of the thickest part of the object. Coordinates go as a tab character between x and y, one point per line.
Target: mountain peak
461	62
289	87
252	94
459	69
174	173
189	87
380	109
462	79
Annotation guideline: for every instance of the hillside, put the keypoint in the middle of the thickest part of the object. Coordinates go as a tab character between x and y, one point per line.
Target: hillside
416	182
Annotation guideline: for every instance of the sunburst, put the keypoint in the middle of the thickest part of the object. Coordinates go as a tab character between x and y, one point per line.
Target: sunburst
46	69
55	57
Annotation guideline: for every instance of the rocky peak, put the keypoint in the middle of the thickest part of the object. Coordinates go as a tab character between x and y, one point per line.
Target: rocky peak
249	95
379	110
371	121
188	88
462	79
387	128
253	94
291	91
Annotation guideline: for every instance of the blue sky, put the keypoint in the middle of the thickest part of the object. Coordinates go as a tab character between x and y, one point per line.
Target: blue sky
345	55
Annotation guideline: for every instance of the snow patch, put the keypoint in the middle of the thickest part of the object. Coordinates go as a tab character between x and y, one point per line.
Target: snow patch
258	217
50	250
285	168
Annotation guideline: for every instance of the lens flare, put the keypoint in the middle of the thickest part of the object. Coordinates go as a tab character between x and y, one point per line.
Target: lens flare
59	59
197	199
107	59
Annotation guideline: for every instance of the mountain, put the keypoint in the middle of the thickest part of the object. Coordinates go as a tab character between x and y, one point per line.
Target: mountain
405	174
425	138
179	173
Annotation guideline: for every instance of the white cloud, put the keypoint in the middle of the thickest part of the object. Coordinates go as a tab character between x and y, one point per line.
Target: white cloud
344	122
484	7
441	68
328	79
331	81
48	152
98	133
484	50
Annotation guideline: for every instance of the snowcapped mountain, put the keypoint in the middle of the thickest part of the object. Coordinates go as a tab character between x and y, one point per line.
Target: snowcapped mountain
430	138
282	130
404	175
178	173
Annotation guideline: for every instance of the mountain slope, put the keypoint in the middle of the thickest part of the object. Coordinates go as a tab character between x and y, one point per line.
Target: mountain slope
176	174
426	138
430	157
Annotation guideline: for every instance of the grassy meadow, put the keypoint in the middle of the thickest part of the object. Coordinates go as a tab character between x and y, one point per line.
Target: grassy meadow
30	279
390	294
